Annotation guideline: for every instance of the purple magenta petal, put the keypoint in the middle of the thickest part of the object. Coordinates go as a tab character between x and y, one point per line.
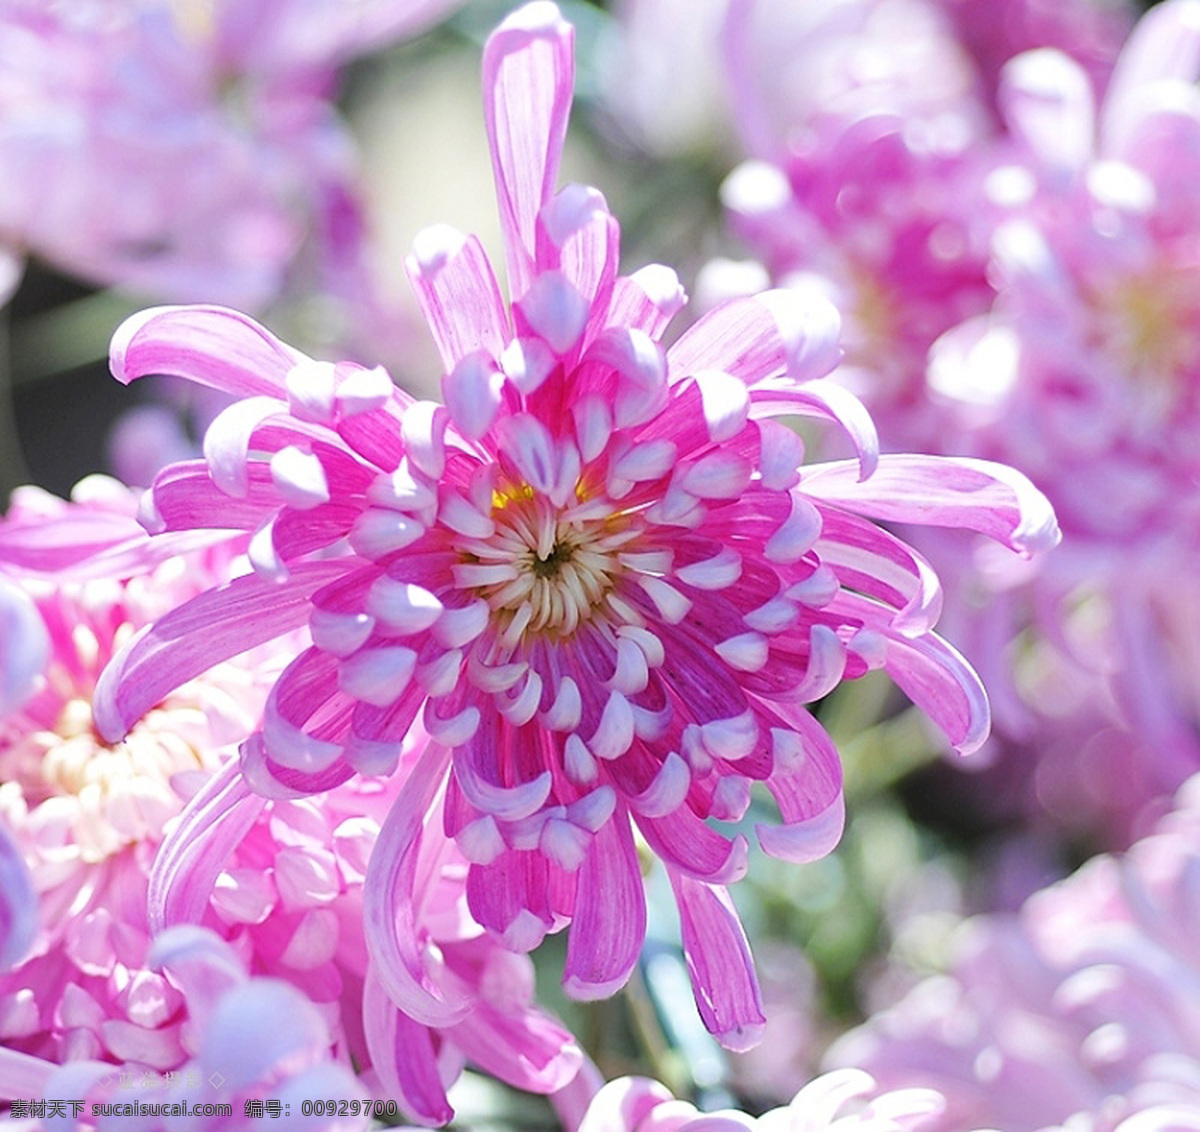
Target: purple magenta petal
719	960
610	915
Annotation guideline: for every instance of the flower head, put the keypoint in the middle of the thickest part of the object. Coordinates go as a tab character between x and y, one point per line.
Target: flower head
596	574
1085	374
248	1040
1081	1010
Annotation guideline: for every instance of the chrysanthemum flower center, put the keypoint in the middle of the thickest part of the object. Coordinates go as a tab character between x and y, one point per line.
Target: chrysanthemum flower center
545	569
109	796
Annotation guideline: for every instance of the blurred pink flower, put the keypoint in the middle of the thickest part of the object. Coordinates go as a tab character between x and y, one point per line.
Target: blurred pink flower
183	149
1086	375
596	574
247	1040
1082	1010
833	1102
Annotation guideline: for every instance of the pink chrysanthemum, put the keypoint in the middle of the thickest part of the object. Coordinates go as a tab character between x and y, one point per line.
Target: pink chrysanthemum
1082	1010
596	574
87	815
248	1041
831	1103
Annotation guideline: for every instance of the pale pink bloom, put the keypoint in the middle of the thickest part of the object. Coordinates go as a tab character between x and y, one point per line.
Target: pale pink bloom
862	119
184	149
833	1102
87	815
793	67
1081	1010
1086	375
247	1039
596	574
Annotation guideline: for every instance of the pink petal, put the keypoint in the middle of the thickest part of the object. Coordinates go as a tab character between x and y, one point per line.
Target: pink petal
771	335
826	401
212	346
198	847
944	491
403	1054
609	924
390	903
458	295
719	961
189	640
526	1048
528	80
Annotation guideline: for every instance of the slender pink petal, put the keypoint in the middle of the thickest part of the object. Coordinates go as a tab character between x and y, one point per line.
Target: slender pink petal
403	1054
528	80
458	294
212	346
719	960
191	639
771	335
826	401
197	848
945	491
389	902
610	915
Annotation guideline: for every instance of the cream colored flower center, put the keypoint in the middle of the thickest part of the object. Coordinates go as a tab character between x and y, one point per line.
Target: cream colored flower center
105	797
545	569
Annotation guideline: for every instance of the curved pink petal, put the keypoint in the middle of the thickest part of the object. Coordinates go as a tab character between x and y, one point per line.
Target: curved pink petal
934	675
528	81
403	1054
825	401
390	903
212	346
609	924
198	634
719	960
944	491
197	847
526	1048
